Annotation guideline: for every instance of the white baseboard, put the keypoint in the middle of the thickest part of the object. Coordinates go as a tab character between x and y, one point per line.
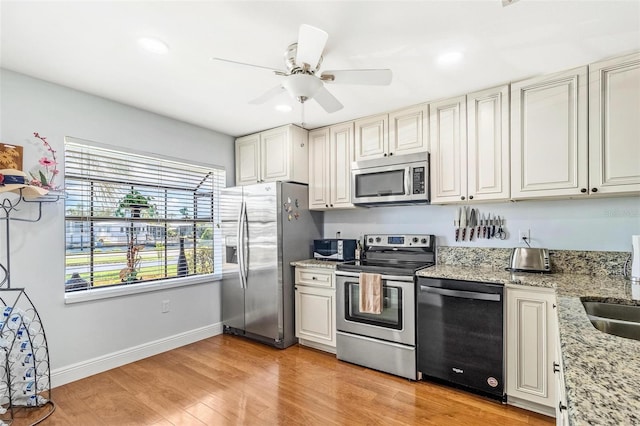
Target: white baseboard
71	373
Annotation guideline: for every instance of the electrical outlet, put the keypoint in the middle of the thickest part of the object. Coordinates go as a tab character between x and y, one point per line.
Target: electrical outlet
524	235
165	306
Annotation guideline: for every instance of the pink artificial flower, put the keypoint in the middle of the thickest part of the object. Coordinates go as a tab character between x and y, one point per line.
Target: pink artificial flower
56	171
44	161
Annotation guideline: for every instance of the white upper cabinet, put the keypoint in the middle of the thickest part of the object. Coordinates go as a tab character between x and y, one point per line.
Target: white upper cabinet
488	165
549	155
341	151
614	125
248	159
397	133
277	154
319	169
448	141
406	131
372	137
330	157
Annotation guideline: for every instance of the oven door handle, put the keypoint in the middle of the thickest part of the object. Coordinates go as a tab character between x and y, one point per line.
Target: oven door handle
401	278
462	294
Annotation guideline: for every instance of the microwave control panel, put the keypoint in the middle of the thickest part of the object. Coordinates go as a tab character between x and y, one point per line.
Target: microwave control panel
419	177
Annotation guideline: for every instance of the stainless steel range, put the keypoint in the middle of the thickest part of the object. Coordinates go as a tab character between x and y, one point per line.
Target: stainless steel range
384	341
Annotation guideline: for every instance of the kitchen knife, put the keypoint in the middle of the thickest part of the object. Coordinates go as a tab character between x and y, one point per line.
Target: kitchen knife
484	226
479	219
472	224
493	226
456	223
463	222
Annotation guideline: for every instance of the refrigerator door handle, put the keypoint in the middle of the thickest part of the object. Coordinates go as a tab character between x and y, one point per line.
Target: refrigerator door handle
245	248
240	246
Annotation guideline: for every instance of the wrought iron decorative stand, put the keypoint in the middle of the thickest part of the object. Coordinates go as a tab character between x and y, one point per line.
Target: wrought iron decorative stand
25	376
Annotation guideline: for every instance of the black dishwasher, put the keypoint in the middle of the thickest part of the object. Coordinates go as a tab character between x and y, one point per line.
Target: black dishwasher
460	334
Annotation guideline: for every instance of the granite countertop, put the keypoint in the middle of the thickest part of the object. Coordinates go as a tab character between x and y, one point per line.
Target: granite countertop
601	371
316	263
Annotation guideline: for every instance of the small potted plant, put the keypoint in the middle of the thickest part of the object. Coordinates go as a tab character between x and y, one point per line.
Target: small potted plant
135	202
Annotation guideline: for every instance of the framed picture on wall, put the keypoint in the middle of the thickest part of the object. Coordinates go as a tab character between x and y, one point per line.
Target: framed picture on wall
10	156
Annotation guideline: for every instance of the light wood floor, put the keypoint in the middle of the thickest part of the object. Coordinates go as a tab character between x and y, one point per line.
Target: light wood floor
230	380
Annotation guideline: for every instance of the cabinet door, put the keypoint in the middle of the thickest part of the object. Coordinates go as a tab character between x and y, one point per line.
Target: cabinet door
341	156
405	132
531	338
448	125
549	135
488	144
315	315
275	147
562	418
319	169
614	126
248	159
371	137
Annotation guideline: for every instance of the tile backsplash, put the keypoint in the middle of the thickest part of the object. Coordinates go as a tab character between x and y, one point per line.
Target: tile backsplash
562	261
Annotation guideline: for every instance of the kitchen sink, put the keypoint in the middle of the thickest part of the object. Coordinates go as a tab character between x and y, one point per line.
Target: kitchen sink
612	318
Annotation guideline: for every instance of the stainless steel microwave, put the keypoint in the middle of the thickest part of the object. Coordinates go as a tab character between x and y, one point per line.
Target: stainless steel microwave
403	179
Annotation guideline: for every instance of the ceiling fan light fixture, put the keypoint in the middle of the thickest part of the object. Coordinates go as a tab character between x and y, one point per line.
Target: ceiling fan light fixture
302	86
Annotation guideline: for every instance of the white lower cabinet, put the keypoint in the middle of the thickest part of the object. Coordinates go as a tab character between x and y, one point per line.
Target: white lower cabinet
315	305
562	418
531	349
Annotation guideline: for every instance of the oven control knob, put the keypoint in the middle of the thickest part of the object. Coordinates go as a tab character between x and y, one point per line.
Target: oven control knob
378	239
415	239
370	239
423	241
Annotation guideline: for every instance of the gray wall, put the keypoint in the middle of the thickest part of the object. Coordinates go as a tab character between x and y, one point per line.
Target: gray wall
84	331
587	224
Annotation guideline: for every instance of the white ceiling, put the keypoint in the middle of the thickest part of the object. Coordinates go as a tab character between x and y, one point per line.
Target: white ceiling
91	46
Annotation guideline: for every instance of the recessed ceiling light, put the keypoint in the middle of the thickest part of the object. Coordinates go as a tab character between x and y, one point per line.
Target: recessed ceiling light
449	58
153	45
283	108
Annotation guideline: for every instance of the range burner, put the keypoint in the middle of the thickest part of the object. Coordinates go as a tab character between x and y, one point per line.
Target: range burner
394	255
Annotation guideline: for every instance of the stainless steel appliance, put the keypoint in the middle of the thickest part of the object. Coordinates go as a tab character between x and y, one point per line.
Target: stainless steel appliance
402	179
265	227
385	341
334	249
527	259
460	334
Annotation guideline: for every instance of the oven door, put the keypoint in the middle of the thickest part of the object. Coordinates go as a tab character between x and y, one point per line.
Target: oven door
396	323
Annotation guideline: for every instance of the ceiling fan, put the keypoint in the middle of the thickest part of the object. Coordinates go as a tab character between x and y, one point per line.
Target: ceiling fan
301	81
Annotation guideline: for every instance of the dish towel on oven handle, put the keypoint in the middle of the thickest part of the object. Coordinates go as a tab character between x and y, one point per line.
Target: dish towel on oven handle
370	293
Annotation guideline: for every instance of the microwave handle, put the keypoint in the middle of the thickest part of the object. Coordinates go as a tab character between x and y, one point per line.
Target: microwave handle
407	174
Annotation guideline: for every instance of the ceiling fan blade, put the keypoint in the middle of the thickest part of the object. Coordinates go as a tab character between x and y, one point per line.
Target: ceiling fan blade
277	71
268	95
327	101
368	77
311	42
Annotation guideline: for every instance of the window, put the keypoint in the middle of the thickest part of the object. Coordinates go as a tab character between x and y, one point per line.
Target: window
133	218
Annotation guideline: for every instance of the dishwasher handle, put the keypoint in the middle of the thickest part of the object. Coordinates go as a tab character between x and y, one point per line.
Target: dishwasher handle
492	297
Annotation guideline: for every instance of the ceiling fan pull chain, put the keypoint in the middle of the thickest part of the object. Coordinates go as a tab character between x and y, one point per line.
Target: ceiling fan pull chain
302	115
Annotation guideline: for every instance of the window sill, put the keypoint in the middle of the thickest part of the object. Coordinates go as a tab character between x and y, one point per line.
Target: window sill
119	291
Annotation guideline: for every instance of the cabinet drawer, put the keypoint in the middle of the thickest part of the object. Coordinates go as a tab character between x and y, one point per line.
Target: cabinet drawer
314	277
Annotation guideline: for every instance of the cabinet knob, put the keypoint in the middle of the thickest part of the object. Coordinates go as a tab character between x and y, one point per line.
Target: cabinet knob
561	407
326	205
462	198
471	197
556	367
313	278
331	205
385	154
594	189
583	190
390	154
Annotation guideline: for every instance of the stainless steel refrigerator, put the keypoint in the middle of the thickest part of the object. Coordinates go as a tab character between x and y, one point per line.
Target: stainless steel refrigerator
265	227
